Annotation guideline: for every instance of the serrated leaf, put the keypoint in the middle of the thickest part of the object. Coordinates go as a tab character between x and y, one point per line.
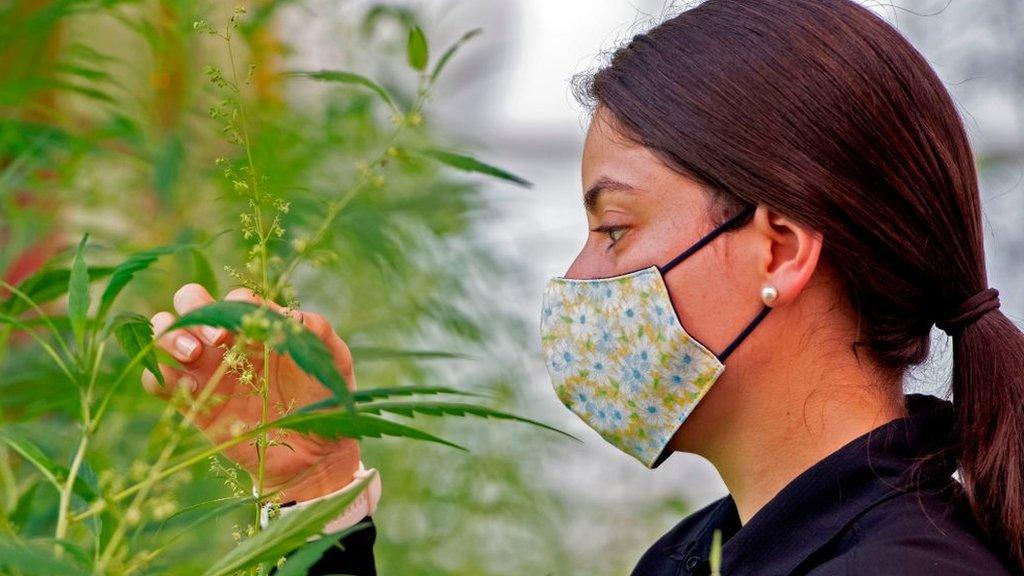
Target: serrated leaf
125	271
286	533
433	408
335	424
451	52
78	294
469	164
299	563
370	394
304	347
48	284
416	49
344	77
134	333
367	353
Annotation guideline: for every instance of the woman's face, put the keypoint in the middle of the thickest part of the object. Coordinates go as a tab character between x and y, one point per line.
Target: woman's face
641	213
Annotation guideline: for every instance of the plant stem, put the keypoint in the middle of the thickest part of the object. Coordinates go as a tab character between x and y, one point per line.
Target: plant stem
262	234
64	506
66	491
9	481
155	471
170	471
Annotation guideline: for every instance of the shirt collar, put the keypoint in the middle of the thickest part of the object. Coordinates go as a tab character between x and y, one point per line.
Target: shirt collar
813	508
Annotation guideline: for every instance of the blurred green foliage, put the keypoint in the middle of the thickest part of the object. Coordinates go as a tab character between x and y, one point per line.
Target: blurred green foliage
105	129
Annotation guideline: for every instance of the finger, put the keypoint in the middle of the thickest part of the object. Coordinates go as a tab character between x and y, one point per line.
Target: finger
319	325
191	296
198	360
173	379
181	344
247	295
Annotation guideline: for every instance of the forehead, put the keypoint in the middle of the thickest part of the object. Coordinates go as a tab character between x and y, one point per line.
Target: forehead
607	152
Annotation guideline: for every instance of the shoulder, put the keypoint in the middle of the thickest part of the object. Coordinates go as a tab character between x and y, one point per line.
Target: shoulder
663	556
909	534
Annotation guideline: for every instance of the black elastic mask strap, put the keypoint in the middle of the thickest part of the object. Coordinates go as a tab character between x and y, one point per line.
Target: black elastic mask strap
746	332
731	222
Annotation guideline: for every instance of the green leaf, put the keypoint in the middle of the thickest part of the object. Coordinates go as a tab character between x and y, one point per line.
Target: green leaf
33	455
450	408
716	553
470	164
451	52
286	533
401	14
304	347
23	509
347	78
335	424
213	509
78	294
370	394
48	284
416	48
203	272
125	271
299	563
135	333
36	558
54	473
366	353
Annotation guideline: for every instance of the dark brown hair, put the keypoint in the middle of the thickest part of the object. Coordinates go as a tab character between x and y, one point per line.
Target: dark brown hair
822	111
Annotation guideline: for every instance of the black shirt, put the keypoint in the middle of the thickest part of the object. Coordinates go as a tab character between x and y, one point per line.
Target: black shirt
353	556
846	515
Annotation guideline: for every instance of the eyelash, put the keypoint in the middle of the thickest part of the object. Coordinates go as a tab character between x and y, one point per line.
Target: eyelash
608	230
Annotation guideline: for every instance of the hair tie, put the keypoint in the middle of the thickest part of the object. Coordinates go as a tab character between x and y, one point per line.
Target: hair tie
970	311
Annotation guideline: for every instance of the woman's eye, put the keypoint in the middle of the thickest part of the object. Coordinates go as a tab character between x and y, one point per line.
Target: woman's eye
614	233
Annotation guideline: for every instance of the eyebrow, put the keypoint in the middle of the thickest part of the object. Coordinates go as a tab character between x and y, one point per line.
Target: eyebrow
604	184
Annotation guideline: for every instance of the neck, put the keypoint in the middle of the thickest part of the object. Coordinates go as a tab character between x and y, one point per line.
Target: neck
791	418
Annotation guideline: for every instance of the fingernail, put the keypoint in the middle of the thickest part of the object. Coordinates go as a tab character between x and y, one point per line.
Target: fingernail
211	334
185	345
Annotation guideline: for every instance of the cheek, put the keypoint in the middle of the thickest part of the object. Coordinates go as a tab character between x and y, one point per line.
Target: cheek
708	298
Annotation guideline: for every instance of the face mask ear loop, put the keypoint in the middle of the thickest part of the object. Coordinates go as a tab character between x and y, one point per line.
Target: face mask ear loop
749	209
746	332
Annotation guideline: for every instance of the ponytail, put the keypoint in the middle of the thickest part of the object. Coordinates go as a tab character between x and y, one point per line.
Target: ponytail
821	110
988	400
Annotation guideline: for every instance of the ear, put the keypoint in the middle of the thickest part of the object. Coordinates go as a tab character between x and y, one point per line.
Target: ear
788	253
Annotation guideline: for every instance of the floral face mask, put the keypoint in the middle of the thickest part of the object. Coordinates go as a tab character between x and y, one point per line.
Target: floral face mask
619	358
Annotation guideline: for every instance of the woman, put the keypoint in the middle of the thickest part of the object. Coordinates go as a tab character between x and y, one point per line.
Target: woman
790	181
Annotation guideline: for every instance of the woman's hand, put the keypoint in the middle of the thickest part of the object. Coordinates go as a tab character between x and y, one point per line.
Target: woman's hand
309	466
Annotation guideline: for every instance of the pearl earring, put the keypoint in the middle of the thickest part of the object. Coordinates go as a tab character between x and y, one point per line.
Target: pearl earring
769	294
